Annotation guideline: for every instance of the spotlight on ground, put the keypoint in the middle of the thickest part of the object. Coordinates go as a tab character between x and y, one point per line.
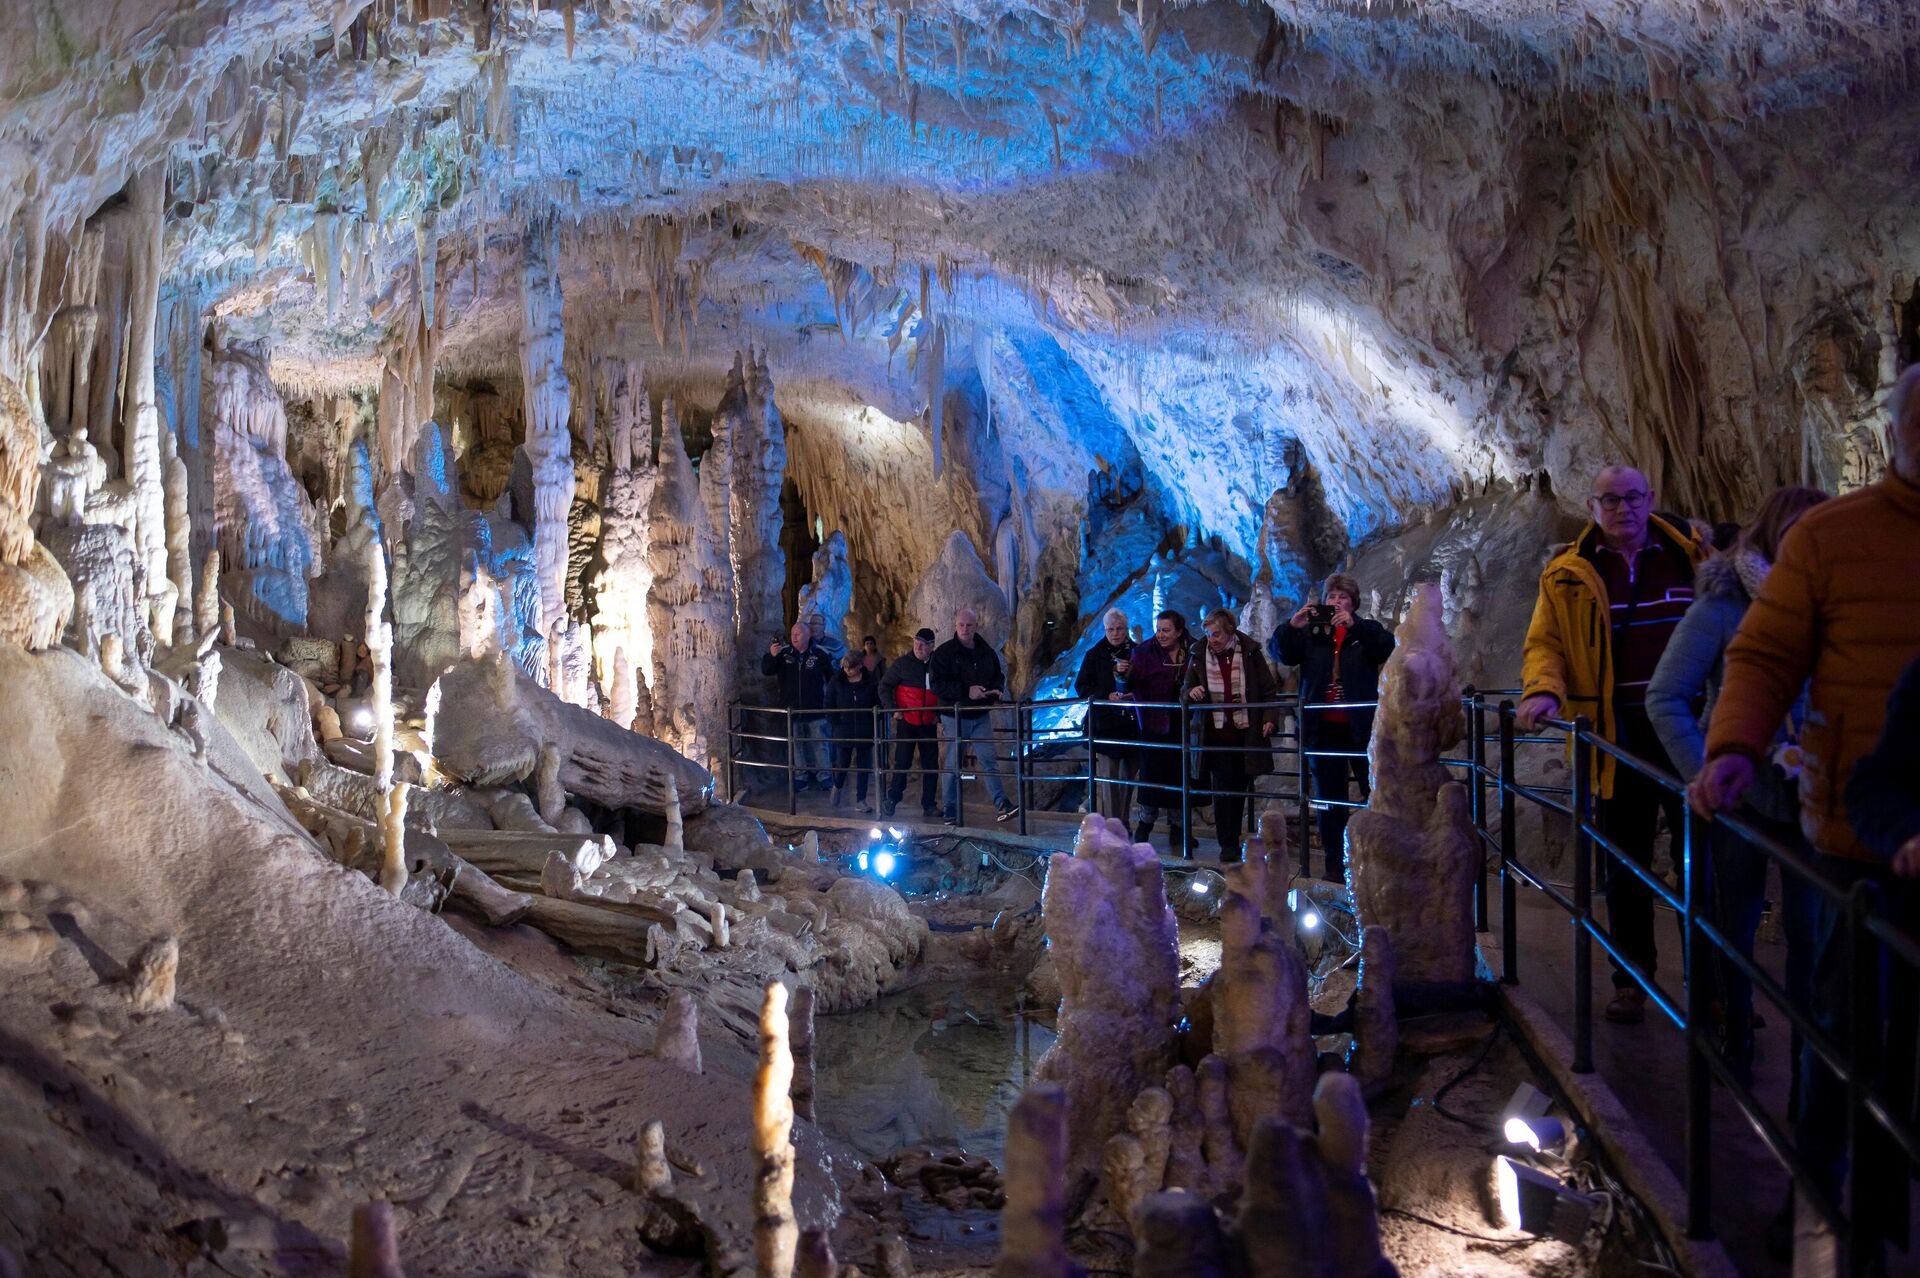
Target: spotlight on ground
1309	920
360	720
883	863
1524	1121
875	834
896	833
1199	888
1537	1203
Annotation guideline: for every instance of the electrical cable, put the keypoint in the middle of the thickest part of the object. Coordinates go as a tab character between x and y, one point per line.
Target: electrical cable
1439	1096
1431	1223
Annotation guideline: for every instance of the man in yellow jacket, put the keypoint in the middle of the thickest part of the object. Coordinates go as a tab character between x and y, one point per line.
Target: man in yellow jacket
1841	608
1608	603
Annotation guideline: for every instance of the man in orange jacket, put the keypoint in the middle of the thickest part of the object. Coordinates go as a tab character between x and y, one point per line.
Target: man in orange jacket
1841	607
1608	603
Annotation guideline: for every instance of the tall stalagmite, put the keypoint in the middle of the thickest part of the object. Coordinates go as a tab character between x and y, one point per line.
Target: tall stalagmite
775	1232
1412	848
549	446
689	605
759	441
1116	945
392	806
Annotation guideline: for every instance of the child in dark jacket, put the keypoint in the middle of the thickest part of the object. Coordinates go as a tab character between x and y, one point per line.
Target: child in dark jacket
851	698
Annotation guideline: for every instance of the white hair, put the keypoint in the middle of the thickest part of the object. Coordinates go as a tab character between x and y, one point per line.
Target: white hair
1115	614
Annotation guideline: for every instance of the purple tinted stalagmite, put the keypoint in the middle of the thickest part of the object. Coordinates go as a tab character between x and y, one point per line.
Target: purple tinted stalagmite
1115	944
1412	849
1033	1227
1261	1017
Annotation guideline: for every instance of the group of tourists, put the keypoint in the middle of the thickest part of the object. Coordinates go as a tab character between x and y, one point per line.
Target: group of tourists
1776	671
831	710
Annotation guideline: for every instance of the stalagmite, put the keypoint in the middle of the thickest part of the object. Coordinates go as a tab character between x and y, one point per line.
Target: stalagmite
1354	1217
676	835
546	776
206	599
1413	847
1222	1147
36	598
1186	1163
375	1250
651	1173
758	439
774	1232
549	446
151	975
1033	1227
146	193
690	607
1115	945
178	627
392	793
800	1022
1178	1236
1376	1030
816	1255
678	1038
1262	1019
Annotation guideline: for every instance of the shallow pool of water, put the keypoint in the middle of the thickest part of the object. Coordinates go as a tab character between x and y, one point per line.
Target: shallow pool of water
937	1065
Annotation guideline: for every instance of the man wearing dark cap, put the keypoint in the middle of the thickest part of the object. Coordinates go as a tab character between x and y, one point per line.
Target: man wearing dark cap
907	690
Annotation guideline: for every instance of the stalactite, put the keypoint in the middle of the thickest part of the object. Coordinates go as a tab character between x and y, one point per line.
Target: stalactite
177	625
758	438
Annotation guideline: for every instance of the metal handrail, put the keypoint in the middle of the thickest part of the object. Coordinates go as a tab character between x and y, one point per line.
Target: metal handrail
1851	1062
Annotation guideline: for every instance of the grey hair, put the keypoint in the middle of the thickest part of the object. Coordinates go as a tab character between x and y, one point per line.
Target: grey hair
967	612
1115	612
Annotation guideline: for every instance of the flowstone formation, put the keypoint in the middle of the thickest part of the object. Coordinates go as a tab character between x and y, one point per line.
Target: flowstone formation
35	597
1412	854
1115	943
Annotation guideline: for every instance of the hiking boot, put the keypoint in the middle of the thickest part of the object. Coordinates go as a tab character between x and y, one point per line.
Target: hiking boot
1629	1007
1006	811
887	807
1142	831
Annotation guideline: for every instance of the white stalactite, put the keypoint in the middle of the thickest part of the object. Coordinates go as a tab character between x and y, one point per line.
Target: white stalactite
392	802
143	462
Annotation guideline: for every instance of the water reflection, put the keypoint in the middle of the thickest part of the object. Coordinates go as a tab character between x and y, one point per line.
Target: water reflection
937	1065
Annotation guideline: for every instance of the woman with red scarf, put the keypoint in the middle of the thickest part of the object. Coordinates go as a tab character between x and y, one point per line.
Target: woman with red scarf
1339	654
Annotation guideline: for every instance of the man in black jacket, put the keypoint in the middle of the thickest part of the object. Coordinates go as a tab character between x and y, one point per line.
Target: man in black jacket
803	671
1103	678
1339	654
967	678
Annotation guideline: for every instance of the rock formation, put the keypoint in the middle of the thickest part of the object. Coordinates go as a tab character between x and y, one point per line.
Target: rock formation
549	445
690	607
759	443
1033	1226
775	1235
1413	855
830	594
35	597
1116	946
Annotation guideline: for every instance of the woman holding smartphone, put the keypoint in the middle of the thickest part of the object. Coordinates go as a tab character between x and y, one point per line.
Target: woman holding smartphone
1339	654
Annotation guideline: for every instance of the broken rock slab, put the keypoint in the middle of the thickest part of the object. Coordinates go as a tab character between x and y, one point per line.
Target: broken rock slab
494	721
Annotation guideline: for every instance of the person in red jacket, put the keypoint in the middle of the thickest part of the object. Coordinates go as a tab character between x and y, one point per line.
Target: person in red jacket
907	689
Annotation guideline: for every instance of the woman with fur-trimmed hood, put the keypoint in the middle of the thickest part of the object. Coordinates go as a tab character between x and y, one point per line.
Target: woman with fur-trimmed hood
1677	702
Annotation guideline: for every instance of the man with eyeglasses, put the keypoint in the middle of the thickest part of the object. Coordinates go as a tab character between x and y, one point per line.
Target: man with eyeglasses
1608	603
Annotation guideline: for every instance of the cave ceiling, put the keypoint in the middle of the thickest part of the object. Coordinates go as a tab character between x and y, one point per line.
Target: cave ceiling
1395	231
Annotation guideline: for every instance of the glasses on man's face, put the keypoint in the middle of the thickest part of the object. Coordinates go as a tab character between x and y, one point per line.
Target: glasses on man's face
1614	501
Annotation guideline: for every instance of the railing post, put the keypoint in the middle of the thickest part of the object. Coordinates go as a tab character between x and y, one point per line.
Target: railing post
1509	881
733	708
1699	1090
1860	1246
1020	795
959	771
1477	798
1306	801
793	800
1582	897
1093	772
1186	786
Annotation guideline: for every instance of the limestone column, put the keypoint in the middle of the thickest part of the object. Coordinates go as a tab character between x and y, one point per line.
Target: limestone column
549	446
144	476
759	440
